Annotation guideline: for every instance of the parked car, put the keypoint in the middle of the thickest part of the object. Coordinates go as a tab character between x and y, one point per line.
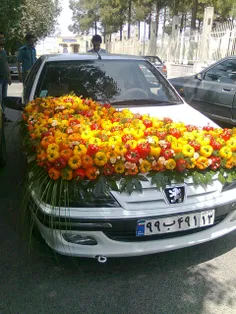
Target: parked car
158	63
3	152
118	224
212	91
12	61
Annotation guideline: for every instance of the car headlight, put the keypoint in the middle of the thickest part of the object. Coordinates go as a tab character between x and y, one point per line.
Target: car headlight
106	200
229	186
77	200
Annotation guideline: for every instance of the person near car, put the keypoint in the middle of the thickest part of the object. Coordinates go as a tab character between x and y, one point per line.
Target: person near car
5	76
96	41
26	57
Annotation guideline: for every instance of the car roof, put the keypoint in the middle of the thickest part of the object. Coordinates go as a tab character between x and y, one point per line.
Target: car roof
88	56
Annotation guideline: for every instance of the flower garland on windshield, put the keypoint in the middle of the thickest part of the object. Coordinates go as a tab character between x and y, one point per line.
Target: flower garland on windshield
79	139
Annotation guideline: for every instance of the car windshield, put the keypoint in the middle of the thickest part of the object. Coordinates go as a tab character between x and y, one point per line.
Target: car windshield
106	80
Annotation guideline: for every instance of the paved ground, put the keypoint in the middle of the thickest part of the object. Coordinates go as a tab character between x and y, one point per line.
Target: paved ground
196	280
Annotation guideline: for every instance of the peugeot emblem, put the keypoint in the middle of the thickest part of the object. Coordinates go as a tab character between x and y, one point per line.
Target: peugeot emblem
175	194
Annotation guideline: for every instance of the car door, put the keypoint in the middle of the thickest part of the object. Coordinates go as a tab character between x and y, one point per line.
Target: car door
214	95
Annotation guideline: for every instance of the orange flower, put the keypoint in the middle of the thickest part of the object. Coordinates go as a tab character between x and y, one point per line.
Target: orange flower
91	173
87	161
66	153
47	140
132	171
158	166
54	173
229	163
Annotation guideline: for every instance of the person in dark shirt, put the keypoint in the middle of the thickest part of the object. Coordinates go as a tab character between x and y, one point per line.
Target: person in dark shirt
96	41
5	76
26	57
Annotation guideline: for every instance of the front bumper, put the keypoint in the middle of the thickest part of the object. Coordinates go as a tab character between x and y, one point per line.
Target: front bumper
120	240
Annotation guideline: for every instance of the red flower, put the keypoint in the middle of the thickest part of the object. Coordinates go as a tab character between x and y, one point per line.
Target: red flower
92	149
175	132
79	174
143	149
167	153
108	170
132	156
60	163
181	164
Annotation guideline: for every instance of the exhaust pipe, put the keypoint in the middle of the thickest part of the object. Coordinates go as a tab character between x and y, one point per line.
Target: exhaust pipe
101	259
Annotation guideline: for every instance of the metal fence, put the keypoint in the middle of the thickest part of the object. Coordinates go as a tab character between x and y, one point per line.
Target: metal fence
184	47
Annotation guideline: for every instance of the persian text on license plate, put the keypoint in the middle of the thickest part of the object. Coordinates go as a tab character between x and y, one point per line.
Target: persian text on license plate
175	223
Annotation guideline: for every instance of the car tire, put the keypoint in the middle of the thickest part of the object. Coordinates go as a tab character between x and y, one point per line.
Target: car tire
3	147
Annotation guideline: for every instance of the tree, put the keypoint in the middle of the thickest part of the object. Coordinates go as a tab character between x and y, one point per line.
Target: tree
85	16
10	14
113	15
25	16
142	11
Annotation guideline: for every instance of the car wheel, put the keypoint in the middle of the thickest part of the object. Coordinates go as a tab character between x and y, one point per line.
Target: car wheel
3	148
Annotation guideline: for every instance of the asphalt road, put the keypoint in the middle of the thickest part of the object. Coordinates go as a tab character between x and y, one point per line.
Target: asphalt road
200	279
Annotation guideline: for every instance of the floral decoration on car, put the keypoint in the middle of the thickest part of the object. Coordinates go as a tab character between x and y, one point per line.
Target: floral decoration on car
76	139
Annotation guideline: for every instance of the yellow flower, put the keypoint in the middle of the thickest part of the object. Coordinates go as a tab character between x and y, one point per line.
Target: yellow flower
119	167
95	141
80	149
206	150
170	164
52	148
188	150
155	151
226	152
171	139
232	144
52	155
145	166
120	150
132	144
100	159
114	140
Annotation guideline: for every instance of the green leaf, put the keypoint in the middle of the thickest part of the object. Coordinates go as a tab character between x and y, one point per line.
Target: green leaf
113	185
142	178
229	178
221	178
129	186
138	185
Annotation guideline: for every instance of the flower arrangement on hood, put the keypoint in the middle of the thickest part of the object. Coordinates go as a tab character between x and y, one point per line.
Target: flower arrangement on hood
79	139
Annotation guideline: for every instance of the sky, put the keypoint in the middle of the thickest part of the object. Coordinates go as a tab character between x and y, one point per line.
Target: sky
65	18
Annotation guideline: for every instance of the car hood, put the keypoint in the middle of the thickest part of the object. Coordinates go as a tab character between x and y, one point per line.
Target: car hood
179	113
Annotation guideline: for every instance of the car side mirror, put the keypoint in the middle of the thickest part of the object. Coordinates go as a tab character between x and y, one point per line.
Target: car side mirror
13	103
199	76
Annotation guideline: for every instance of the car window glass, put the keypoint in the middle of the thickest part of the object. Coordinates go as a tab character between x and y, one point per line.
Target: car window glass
224	72
30	79
155	60
105	80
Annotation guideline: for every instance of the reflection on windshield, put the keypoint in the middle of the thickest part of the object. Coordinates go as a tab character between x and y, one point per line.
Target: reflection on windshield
105	80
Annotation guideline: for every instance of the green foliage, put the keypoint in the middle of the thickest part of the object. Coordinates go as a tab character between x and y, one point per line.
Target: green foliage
19	17
85	15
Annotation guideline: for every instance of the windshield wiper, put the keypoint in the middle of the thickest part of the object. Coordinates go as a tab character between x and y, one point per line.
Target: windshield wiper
139	102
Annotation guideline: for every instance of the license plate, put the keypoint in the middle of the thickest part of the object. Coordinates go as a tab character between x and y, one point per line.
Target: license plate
175	223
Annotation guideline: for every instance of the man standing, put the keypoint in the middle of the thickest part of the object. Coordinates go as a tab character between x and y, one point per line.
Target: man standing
26	57
96	41
5	76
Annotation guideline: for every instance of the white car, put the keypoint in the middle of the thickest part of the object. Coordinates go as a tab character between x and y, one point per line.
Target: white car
120	224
